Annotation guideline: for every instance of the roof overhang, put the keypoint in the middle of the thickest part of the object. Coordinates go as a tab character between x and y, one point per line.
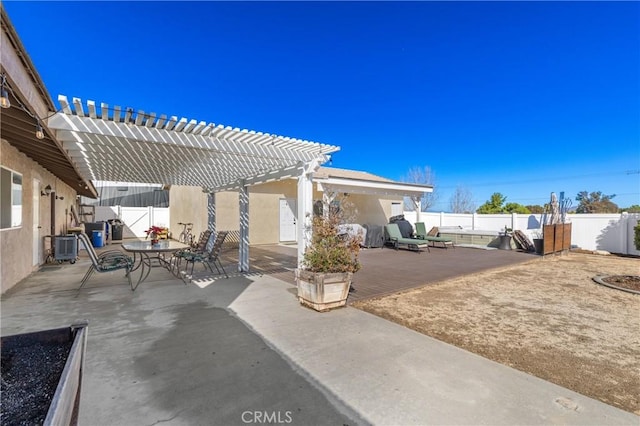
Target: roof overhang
115	144
357	186
30	100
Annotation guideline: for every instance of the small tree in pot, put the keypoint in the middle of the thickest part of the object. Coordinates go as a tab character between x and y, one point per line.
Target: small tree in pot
329	262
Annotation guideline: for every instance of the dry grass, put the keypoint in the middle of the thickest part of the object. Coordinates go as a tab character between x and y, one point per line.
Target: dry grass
545	317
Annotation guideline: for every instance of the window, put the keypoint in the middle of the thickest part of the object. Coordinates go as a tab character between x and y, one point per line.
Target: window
10	199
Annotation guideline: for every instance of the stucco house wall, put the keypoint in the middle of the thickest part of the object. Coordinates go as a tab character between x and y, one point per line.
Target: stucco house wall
17	244
189	204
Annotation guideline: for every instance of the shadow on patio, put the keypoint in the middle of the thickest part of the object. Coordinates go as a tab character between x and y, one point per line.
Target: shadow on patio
168	352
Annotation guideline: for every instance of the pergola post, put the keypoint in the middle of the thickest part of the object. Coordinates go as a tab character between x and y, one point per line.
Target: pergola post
417	204
305	208
211	212
243	251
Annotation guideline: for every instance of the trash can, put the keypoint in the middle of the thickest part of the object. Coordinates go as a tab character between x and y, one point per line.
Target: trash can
116	229
97	239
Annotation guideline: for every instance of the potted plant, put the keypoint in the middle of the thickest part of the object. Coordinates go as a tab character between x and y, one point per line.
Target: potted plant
329	262
155	233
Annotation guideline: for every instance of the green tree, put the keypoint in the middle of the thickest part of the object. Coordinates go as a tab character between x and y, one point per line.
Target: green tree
595	202
516	208
536	208
632	209
493	205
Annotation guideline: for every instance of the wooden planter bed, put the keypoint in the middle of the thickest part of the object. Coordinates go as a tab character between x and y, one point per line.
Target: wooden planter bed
42	376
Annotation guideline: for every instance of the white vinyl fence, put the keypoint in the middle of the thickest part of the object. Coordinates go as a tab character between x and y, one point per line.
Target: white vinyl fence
611	232
136	219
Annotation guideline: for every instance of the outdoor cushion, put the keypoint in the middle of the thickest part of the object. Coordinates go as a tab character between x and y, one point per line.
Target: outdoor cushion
398	240
431	236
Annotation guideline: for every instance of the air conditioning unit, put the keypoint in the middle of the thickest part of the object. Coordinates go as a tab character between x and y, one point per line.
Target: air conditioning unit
66	248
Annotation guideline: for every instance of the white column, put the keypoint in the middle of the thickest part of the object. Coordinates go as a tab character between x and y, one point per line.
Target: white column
305	207
624	229
417	204
211	212
243	251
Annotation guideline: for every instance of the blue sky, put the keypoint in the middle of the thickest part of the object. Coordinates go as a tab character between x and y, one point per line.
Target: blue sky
521	98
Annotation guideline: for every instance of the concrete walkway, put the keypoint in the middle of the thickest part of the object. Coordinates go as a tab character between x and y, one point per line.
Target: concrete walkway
243	351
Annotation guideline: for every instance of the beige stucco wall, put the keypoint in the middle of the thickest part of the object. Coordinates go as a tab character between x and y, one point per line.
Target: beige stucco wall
372	209
16	244
189	204
264	209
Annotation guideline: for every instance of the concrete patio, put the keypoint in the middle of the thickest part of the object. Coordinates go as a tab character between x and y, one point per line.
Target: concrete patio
234	351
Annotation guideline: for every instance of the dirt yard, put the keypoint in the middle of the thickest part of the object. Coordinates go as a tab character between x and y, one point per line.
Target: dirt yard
546	317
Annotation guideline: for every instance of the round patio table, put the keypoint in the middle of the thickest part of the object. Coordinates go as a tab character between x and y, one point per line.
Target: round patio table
144	252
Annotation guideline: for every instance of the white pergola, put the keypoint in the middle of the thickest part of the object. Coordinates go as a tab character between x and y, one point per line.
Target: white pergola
120	144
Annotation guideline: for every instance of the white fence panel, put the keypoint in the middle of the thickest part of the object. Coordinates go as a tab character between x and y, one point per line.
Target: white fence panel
457	219
632	221
610	232
492	222
136	219
597	232
104	213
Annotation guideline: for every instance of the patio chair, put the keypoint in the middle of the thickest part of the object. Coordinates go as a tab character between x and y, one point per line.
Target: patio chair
198	247
432	236
208	257
107	261
398	241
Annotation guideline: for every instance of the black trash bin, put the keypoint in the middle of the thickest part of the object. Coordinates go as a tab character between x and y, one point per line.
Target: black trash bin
116	229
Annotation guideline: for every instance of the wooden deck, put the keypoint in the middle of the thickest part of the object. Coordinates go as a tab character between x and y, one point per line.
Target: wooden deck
386	271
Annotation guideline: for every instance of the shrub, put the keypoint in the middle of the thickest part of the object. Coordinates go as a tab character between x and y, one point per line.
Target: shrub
637	236
330	251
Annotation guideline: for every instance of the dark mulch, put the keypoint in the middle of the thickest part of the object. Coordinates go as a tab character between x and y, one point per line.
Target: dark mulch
30	375
630	282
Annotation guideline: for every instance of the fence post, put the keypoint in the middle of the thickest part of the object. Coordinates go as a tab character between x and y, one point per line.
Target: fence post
514	221
441	218
474	218
624	228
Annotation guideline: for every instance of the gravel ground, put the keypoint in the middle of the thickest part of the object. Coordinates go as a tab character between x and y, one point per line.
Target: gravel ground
30	375
546	317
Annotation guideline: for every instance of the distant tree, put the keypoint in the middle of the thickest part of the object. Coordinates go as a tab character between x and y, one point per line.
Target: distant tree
493	205
632	209
423	176
462	201
595	202
516	208
535	209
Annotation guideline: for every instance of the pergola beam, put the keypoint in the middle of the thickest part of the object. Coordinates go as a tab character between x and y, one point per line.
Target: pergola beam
132	146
